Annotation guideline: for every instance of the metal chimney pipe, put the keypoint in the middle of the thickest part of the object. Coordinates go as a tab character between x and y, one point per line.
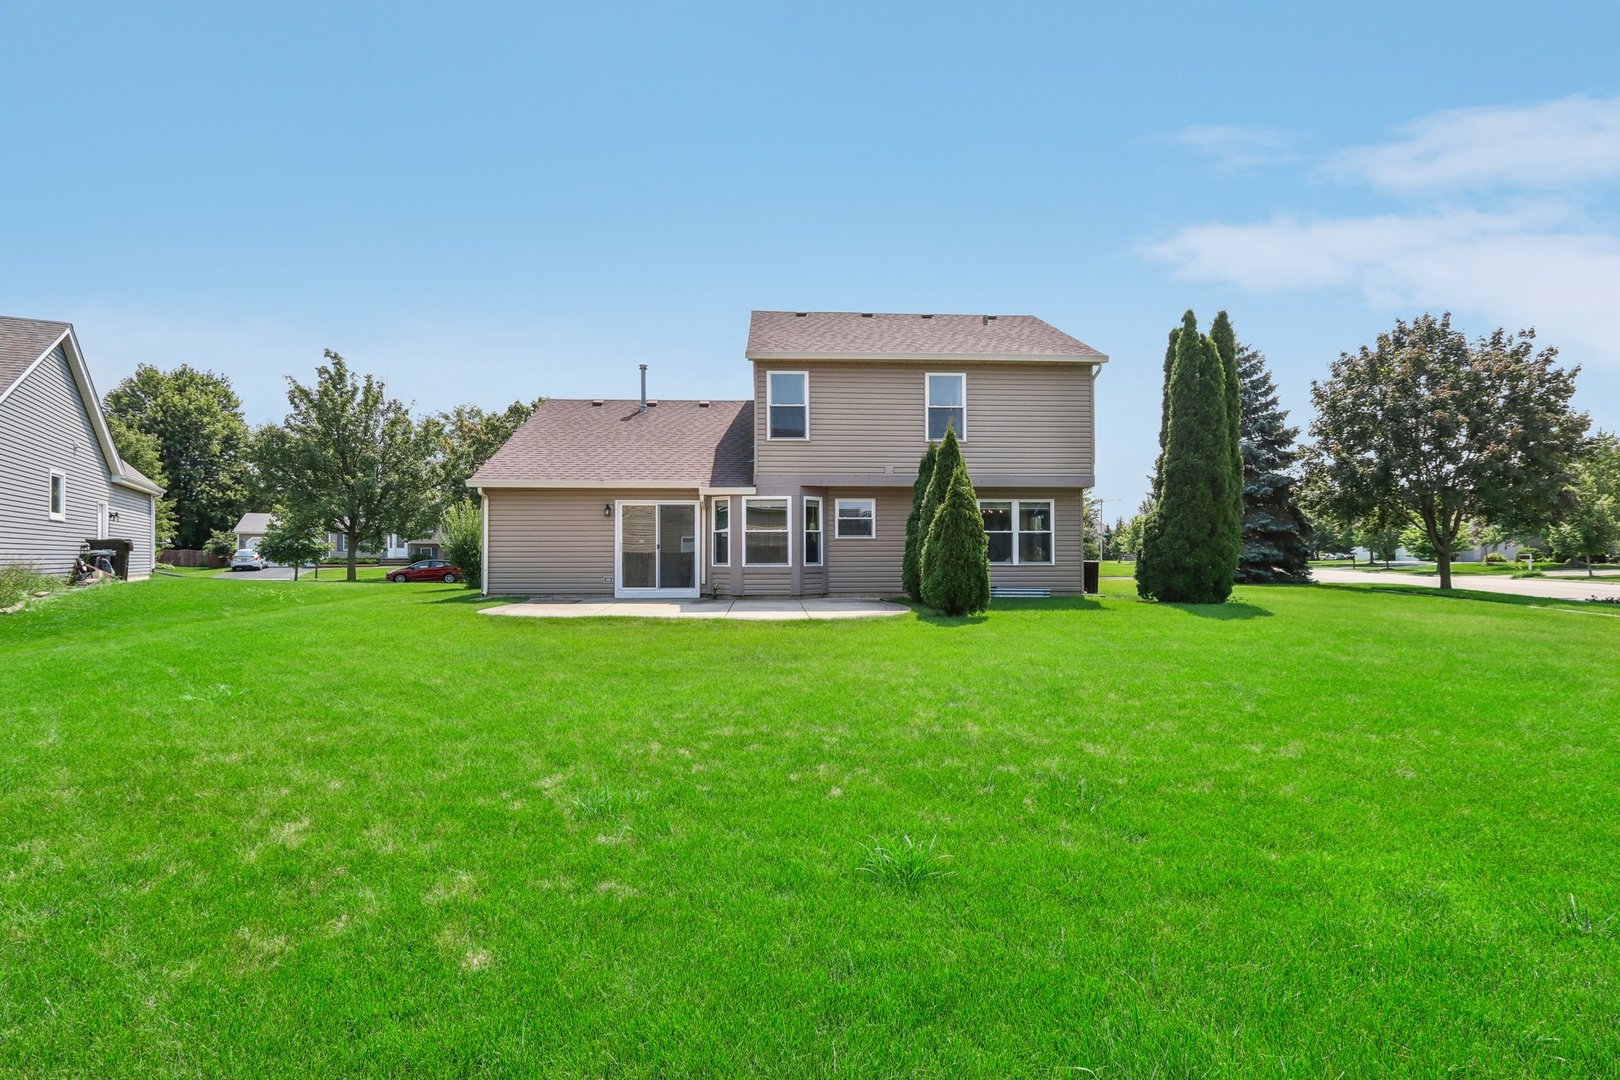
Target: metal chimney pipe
643	387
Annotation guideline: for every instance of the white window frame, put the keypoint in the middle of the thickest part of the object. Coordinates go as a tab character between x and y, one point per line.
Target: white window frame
820	530
716	531
50	496
838	519
787	504
103	518
1017	504
770	402
928	402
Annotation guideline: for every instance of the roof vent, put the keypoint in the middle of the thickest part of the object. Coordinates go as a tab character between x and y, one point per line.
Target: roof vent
704	404
925	316
866	314
986	320
800	314
596	403
652	403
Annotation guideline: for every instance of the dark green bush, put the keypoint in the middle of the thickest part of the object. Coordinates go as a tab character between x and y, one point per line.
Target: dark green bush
956	554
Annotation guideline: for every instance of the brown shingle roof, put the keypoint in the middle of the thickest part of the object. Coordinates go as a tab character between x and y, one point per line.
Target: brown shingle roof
789	334
571	440
21	343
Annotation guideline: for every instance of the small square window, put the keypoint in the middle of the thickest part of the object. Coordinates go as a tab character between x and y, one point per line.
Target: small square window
856	519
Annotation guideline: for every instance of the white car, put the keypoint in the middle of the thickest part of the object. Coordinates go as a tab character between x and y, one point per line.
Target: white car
247	559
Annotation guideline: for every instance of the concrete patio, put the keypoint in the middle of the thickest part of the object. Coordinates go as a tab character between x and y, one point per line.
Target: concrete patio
749	608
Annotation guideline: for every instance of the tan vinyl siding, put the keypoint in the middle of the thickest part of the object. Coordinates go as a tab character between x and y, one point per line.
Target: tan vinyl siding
545	542
869	418
44	426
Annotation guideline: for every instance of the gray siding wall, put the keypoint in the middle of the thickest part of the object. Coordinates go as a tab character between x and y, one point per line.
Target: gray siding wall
545	542
44	426
869	418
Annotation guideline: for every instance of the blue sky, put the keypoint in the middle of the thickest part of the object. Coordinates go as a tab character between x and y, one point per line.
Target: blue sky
488	203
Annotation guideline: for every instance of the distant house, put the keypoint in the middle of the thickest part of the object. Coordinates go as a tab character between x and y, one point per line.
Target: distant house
251	529
61	479
804	488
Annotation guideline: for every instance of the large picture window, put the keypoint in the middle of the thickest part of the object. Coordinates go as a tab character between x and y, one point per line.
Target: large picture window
857	519
947	405
722	532
787	404
1019	530
812	530
765	533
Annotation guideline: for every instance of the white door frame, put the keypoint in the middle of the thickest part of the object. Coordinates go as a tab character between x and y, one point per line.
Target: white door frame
691	593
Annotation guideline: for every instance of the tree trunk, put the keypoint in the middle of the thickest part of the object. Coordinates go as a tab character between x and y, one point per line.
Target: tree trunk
1589	566
295	569
1443	558
354	556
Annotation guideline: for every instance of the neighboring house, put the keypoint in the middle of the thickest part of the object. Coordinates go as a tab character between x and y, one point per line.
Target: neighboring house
805	488
251	529
61	480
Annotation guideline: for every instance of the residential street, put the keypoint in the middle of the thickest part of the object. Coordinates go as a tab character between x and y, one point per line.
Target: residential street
1553	588
269	573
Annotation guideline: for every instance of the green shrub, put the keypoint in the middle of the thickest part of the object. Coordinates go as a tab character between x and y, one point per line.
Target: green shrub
463	530
956	554
221	544
1495	557
916	528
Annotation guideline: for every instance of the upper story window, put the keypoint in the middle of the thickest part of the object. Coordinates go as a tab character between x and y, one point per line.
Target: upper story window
57	505
947	405
787	404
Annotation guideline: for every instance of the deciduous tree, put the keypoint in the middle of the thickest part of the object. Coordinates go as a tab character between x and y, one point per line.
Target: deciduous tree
350	460
196	418
293	543
1446	430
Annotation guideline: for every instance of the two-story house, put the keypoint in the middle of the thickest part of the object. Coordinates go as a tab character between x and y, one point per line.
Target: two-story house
805	488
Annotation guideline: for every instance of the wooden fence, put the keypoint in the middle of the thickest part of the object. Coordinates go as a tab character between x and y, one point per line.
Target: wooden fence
189	557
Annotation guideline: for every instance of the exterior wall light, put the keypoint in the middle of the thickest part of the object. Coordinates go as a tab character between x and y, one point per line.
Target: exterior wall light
607	510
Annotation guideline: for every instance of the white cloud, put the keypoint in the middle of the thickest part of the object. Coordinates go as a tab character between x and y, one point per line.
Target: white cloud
1553	145
1234	148
1535	264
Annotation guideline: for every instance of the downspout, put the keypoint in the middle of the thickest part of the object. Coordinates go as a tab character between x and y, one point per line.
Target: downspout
483	545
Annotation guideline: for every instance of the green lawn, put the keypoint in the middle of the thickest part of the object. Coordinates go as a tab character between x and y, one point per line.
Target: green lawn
256	829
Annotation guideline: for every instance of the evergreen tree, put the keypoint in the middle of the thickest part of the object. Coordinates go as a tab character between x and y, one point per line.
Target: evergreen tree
947	456
1277	537
1224	339
1187	554
956	554
911	563
1164	412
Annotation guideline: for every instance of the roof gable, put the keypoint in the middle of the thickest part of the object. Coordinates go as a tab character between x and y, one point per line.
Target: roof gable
853	335
17	338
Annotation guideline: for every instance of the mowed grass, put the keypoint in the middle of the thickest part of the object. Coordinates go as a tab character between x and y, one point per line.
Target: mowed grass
268	829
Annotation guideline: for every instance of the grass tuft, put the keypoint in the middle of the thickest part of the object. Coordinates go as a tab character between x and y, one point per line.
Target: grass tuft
1577	917
600	803
903	864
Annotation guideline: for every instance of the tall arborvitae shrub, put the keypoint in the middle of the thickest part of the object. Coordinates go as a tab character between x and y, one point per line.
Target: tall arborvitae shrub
1224	339
956	553
947	456
1277	537
1187	555
1164	411
916	530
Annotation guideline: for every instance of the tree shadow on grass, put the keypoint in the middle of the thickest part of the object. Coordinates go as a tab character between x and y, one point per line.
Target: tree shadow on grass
1232	609
1003	606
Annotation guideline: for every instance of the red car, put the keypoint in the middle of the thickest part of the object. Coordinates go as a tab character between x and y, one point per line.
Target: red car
426	570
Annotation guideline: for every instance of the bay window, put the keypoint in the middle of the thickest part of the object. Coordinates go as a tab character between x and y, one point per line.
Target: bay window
812	530
765	533
722	532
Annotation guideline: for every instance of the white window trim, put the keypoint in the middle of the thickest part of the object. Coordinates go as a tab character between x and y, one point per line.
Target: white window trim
103	518
50	496
928	403
820	530
1016	504
838	519
717	531
770	402
788	504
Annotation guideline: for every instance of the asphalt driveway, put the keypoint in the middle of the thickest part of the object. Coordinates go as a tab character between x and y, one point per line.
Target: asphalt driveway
269	573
